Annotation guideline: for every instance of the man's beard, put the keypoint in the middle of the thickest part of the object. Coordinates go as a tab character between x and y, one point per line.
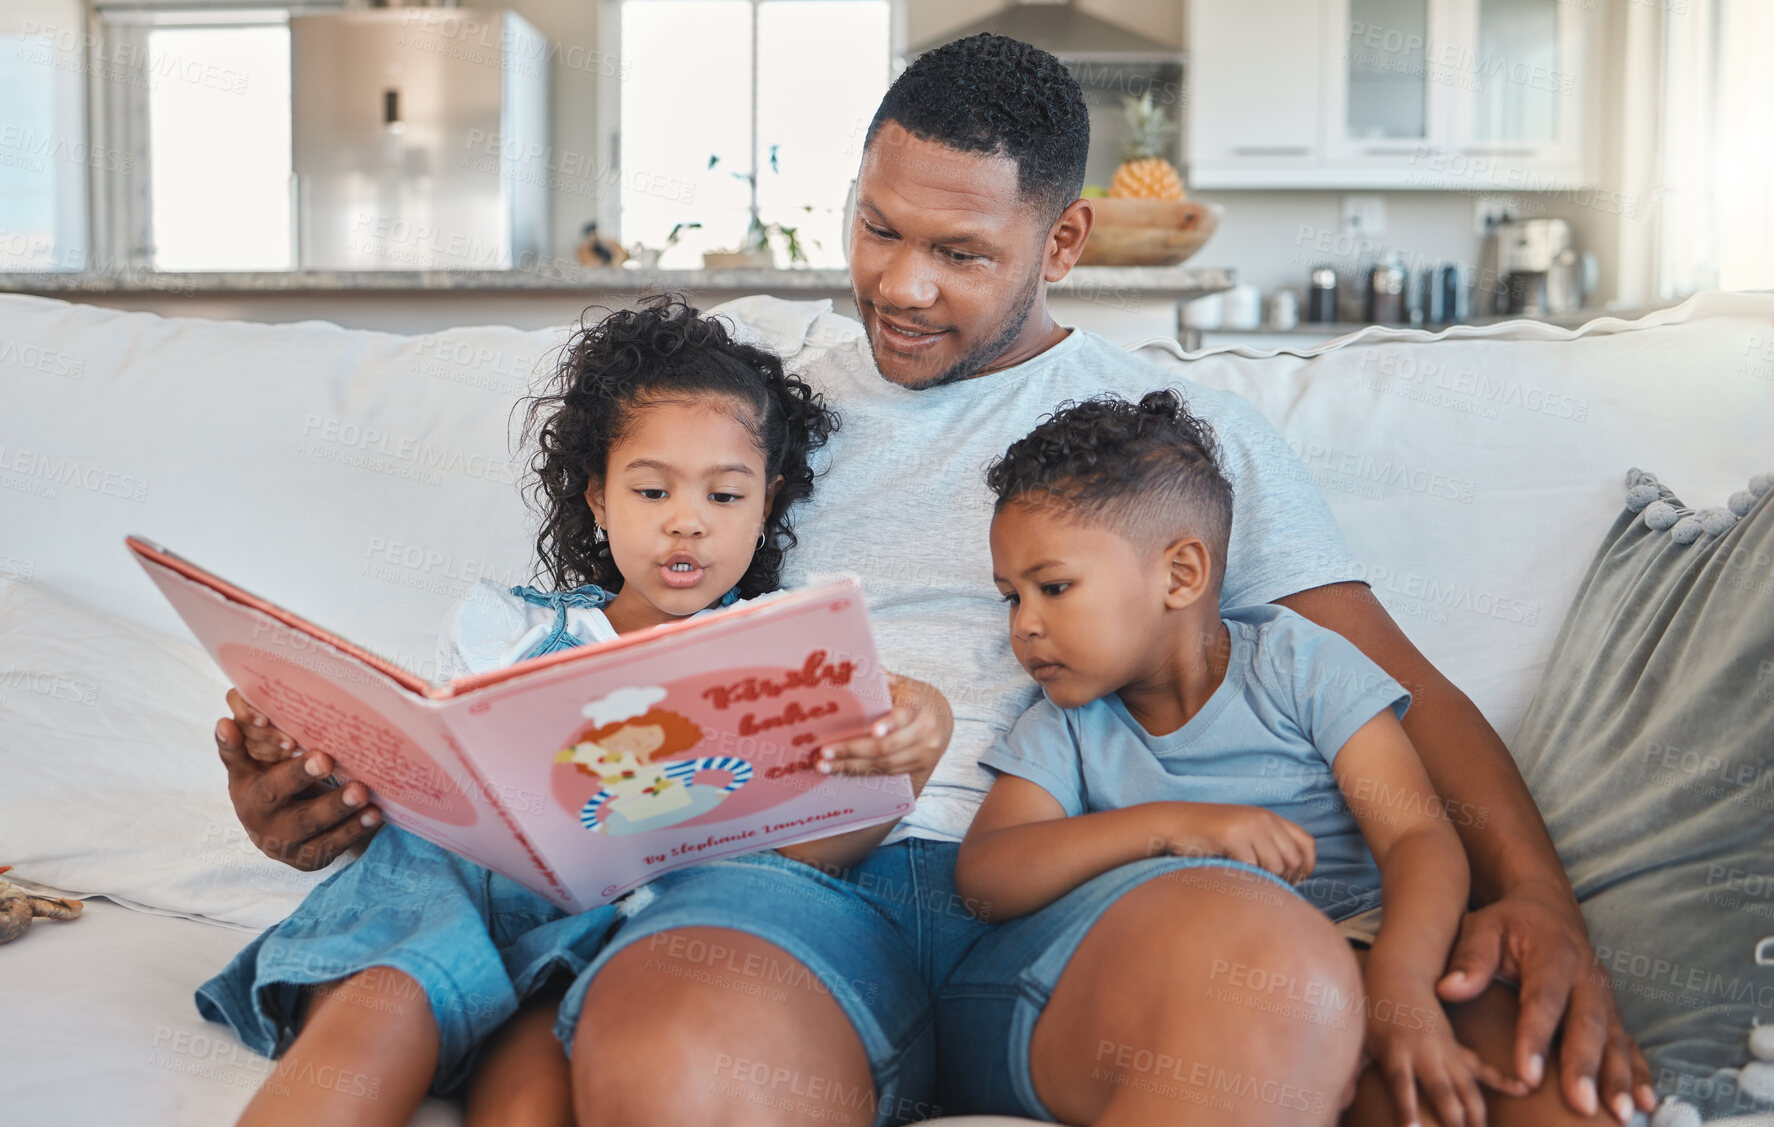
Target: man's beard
975	360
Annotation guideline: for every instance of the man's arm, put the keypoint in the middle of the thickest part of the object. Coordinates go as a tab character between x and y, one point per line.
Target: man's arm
1529	925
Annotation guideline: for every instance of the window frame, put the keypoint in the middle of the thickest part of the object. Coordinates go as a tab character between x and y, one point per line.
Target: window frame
121	208
609	103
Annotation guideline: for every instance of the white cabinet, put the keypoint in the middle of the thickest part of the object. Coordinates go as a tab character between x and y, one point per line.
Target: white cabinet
1524	108
1251	117
1481	94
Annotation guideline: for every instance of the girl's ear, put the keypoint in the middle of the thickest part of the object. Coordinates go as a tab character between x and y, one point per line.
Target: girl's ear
594	496
770	492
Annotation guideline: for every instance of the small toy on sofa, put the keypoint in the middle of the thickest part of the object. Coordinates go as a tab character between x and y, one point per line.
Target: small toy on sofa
18	908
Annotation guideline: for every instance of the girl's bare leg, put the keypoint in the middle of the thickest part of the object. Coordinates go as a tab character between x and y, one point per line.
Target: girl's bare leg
365	1056
523	1079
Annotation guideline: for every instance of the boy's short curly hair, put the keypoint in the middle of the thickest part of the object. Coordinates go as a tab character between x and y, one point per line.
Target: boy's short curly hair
1147	471
998	96
662	352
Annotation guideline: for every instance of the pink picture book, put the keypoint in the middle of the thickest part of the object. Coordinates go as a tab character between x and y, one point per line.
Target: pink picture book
585	773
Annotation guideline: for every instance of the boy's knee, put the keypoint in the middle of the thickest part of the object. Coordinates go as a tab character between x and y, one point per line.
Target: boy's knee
1268	946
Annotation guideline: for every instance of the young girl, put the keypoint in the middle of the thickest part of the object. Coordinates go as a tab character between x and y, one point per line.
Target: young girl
669	458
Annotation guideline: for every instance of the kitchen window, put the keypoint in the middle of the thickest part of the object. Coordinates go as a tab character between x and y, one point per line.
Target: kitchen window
145	135
43	151
778	92
218	107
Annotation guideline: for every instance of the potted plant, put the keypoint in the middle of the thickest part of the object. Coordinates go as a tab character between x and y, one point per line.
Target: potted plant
647	258
757	248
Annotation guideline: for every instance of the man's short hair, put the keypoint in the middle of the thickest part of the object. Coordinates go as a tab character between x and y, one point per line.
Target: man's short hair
999	96
1146	471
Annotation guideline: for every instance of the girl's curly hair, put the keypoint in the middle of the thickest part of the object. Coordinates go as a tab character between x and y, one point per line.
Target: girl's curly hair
665	351
1143	470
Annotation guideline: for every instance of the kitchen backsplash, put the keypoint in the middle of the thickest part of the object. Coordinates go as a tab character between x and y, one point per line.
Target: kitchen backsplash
1275	238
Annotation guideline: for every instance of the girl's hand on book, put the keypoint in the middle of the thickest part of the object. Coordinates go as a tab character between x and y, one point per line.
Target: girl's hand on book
1249	834
907	741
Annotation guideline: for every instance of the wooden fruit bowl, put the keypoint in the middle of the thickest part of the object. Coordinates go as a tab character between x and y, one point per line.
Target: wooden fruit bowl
1148	232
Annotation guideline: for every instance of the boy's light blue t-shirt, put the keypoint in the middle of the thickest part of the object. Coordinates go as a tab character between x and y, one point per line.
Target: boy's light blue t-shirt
1293	694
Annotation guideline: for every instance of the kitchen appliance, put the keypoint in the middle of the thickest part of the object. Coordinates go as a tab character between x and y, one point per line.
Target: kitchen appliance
1241	307
1204	312
420	139
1284	310
1416	298
1386	284
1537	270
1442	294
1321	296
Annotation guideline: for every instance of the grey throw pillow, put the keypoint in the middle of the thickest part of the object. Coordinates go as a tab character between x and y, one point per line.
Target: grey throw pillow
1650	750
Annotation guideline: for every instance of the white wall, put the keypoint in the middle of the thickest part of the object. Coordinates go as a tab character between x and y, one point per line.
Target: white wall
1161	20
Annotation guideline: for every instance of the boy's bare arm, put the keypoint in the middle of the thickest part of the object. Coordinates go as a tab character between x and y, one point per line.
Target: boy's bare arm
1022	852
1423	874
1425	882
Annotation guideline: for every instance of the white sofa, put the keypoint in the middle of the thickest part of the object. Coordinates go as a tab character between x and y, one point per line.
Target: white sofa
364	478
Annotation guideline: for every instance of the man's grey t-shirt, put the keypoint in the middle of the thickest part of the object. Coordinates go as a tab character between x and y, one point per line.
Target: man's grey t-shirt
901	502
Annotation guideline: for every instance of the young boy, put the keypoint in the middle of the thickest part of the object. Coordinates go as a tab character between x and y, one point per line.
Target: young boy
1172	726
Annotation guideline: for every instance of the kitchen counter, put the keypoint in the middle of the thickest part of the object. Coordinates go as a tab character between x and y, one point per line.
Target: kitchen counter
1090	283
1124	303
1570	320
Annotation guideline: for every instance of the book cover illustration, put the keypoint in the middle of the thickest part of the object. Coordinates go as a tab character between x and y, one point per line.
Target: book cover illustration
580	774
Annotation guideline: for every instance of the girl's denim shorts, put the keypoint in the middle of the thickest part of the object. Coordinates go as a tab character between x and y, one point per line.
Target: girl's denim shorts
477	944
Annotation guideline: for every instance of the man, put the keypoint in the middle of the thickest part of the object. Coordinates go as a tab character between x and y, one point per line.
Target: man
738	989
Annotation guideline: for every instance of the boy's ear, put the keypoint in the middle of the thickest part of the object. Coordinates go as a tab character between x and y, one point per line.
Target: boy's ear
1191	572
594	496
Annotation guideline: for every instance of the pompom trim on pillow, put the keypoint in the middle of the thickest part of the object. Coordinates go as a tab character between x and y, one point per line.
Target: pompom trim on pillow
1645	495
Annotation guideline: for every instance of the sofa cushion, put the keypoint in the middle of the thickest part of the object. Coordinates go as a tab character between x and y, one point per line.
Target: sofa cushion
1650	751
112	781
1473	470
362	479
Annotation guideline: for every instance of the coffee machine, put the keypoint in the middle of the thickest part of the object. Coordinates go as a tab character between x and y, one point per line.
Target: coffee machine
1535	269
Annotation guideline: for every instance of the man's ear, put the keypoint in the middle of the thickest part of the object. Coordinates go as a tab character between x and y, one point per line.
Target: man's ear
594	496
1191	573
1065	241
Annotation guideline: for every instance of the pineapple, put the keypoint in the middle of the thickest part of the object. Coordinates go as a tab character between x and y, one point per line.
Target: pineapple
1144	173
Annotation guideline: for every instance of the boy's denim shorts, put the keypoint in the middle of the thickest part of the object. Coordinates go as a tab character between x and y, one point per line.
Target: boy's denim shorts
896	946
477	944
988	1006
